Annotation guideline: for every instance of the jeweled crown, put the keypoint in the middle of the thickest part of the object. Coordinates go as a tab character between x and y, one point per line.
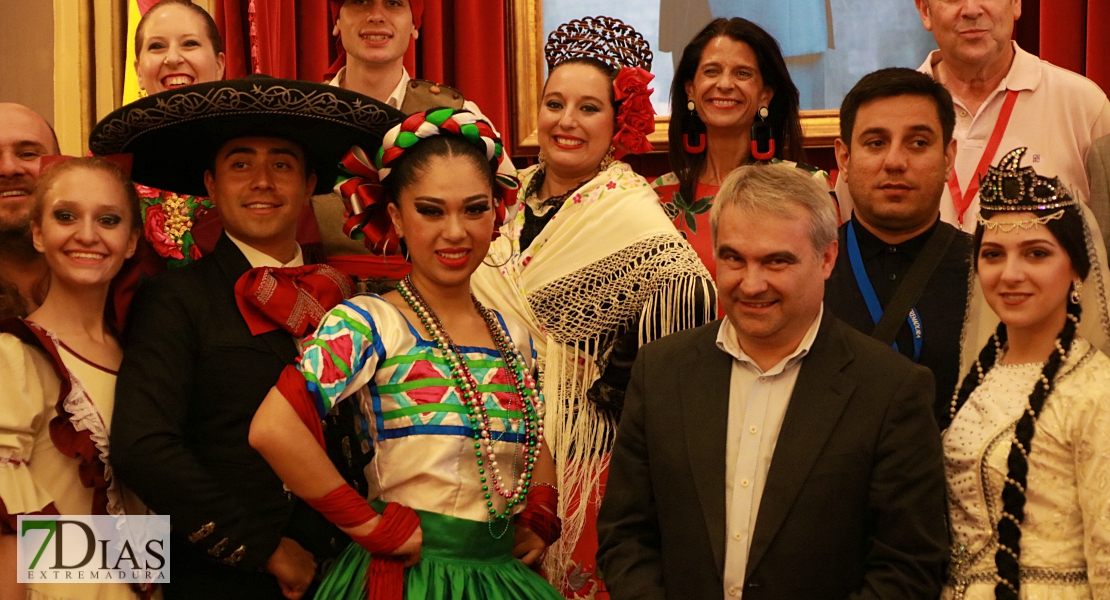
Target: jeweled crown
1011	187
606	39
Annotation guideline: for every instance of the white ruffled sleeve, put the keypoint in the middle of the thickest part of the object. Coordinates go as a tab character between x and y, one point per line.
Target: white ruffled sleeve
27	387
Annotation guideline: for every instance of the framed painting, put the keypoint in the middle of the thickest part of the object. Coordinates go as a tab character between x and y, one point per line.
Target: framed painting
828	45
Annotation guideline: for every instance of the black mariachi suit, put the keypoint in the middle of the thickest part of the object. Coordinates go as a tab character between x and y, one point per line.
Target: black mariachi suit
191	380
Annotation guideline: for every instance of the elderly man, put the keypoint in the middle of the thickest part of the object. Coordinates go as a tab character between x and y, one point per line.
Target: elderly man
25	138
1005	98
777	453
207	341
901	275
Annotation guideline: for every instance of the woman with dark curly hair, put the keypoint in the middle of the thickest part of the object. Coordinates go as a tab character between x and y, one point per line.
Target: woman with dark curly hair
1027	440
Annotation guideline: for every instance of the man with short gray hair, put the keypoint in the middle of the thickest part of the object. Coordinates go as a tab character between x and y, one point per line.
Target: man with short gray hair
777	453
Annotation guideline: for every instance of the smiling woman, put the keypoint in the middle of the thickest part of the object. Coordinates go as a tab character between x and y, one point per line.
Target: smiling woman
438	378
58	366
177	44
1039	386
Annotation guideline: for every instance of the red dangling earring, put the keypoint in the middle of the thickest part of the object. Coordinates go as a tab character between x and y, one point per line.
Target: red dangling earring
763	137
693	132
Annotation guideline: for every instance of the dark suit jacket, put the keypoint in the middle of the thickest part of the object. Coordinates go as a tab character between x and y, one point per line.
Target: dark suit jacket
191	380
854	502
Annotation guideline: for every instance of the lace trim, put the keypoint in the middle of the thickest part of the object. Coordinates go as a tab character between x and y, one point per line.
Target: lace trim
615	290
83	415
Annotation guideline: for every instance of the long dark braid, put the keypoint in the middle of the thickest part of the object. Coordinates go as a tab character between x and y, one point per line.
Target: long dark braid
1007	556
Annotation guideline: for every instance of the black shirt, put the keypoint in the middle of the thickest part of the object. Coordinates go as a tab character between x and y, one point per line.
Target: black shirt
941	307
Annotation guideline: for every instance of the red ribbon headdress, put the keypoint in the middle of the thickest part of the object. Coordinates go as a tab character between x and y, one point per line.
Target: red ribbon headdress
360	179
622	48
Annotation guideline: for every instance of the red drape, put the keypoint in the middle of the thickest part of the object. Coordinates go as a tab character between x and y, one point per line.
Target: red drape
462	43
1074	34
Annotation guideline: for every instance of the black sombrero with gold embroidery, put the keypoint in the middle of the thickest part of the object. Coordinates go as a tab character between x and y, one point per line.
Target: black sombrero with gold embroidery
174	135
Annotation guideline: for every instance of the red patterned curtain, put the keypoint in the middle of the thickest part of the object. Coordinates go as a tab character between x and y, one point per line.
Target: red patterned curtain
1074	34
462	44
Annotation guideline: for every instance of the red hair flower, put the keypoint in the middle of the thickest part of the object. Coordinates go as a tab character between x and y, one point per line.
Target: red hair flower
636	116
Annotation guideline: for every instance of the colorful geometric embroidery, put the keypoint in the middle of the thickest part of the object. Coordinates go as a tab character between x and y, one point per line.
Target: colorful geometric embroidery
409	392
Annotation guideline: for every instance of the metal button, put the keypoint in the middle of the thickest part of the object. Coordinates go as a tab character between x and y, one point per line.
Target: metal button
893	276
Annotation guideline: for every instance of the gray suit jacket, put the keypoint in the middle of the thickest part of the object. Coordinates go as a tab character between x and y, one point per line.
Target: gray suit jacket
854	503
1098	169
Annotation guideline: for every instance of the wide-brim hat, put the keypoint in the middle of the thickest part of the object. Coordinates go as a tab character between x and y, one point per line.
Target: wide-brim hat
174	135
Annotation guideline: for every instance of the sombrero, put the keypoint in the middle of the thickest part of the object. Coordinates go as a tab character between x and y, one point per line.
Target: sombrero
174	135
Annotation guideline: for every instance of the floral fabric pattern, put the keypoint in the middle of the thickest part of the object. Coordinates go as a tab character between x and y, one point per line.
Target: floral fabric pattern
168	220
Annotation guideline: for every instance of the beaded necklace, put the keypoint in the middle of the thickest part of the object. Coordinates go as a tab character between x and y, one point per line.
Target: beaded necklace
513	493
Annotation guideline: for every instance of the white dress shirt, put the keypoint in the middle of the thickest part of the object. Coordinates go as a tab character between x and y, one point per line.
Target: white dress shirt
257	258
396	97
757	405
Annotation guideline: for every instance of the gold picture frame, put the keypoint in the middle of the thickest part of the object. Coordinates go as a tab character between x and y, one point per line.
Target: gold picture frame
820	127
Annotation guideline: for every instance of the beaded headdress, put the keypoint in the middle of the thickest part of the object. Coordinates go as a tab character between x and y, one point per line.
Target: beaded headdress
1011	187
361	175
606	39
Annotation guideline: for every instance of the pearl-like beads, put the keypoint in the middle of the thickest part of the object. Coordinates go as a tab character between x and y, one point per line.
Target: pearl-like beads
526	392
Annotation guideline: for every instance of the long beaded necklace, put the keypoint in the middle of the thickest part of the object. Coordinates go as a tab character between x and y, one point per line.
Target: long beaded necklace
513	493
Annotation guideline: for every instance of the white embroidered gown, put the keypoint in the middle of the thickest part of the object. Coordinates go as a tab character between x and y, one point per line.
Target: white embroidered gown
1065	544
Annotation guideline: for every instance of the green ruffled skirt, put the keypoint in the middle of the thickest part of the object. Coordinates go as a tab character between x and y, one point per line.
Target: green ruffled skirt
459	560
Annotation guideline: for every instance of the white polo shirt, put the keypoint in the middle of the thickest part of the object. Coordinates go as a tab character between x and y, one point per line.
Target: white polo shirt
1057	115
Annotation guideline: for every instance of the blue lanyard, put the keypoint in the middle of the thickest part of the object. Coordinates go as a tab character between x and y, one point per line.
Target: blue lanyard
871	299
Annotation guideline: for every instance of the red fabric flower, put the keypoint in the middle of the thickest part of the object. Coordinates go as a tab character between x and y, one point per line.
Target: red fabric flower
147	192
628	141
630	81
194	252
636	116
155	229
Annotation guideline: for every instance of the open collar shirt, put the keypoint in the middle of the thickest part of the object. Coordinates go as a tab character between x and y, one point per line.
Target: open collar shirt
396	97
757	405
1057	115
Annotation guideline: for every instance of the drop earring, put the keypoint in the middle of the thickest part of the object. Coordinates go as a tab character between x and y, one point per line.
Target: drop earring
763	136
1077	291
693	131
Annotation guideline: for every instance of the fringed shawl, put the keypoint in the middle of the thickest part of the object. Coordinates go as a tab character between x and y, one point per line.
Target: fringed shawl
609	257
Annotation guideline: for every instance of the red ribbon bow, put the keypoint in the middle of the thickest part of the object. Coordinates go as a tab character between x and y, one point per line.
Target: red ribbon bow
292	298
364	197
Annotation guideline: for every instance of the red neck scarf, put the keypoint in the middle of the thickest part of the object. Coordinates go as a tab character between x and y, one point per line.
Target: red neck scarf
292	298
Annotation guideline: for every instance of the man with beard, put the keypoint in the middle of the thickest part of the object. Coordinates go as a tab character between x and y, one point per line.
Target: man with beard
25	138
901	275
